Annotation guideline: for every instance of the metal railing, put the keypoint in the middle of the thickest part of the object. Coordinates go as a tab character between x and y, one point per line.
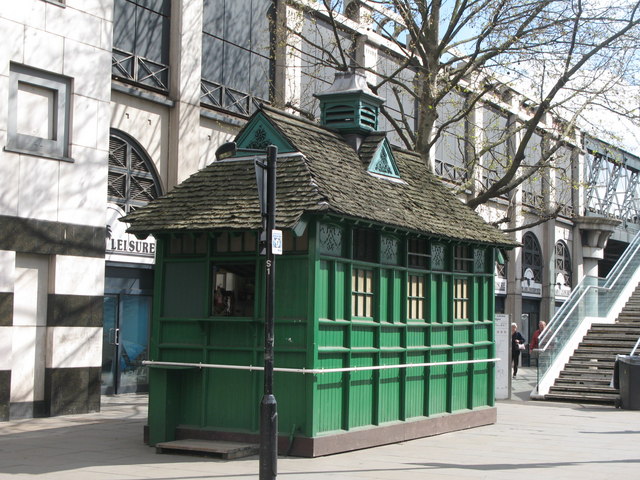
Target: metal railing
593	300
315	371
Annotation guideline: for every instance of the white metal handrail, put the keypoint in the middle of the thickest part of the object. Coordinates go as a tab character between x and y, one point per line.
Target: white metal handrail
314	370
611	280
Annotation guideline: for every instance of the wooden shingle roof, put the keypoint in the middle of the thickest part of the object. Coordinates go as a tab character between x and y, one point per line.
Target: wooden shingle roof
327	176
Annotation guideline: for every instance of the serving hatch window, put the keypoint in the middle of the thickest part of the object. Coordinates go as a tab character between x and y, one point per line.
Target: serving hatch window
233	289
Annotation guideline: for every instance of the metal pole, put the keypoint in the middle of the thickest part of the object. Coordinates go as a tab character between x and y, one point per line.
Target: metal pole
268	406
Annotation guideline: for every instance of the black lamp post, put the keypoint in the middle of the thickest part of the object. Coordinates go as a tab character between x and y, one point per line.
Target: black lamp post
268	405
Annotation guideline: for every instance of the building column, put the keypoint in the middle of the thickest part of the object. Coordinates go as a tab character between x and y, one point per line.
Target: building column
595	231
185	89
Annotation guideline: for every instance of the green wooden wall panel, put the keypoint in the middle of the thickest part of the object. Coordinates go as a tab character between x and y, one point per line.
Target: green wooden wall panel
184	292
322	290
231	395
483	376
290	391
363	336
190	411
399	299
332	335
441	295
182	332
462	334
460	381
482	332
233	334
329	409
181	354
361	392
439	383
340	292
391	336
481	372
291	293
384	295
415	387
290	334
417	336
440	335
390	394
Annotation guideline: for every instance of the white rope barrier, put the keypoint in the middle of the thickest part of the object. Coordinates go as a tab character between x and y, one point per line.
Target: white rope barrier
315	370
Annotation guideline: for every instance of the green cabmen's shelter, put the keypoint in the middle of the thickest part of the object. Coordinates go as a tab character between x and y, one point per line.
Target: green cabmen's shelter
382	266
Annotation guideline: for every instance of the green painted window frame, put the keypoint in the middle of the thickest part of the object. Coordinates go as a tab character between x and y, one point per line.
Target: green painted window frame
417	297
363	293
462	301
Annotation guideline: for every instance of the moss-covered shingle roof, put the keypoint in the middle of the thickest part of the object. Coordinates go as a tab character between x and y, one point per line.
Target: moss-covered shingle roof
327	177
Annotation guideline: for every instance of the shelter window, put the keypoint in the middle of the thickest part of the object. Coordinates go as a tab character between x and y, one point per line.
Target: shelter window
461	299
233	289
291	243
418	253
364	245
462	259
236	242
362	293
188	244
416	297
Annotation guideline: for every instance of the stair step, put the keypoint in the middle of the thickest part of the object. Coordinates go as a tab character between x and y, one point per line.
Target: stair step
586	374
570	397
601	381
587	389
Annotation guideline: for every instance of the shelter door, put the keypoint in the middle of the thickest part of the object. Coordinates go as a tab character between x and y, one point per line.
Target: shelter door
125	343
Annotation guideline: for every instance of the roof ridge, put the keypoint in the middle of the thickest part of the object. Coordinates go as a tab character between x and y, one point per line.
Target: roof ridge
312	125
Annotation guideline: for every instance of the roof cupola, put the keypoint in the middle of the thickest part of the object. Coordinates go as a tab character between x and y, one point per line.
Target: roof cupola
350	107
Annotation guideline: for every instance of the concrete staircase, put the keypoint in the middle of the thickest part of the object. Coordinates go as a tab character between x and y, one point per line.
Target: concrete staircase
586	378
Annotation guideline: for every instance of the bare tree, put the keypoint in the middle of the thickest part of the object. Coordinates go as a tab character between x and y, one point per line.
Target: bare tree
564	56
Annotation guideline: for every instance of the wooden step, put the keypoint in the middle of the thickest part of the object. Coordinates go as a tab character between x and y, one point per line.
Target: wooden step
217	448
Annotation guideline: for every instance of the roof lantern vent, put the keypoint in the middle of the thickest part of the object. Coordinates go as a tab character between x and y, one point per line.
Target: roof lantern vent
350	107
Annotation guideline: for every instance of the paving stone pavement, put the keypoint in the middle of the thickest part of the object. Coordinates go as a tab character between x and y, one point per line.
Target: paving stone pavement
530	440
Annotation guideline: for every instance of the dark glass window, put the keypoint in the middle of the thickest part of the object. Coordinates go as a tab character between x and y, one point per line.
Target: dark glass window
141	43
235	54
365	246
532	256
462	260
188	244
132	179
232	242
418	253
233	289
292	243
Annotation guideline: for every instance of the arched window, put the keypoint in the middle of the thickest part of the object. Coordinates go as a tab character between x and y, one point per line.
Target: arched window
133	180
532	256
563	263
